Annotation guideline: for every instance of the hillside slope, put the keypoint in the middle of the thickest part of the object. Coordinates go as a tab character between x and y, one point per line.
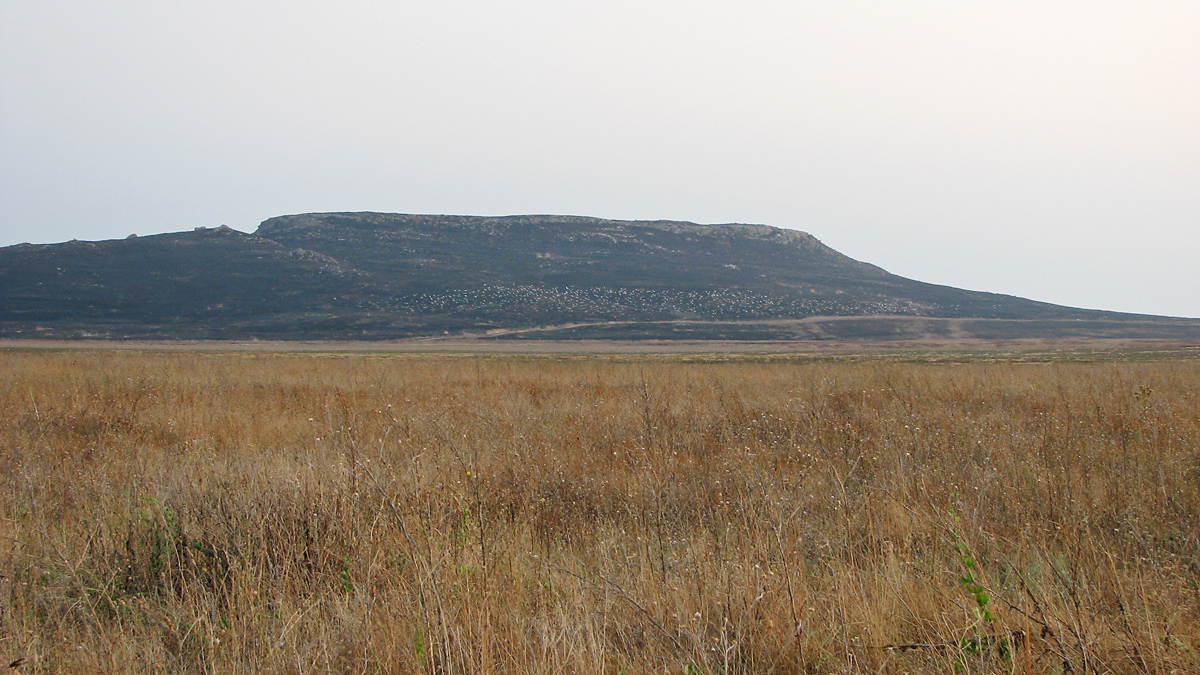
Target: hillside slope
386	276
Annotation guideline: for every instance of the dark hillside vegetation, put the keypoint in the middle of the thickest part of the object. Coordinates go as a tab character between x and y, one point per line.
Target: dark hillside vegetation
380	276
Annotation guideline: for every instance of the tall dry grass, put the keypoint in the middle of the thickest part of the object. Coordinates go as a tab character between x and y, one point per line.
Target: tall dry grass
247	513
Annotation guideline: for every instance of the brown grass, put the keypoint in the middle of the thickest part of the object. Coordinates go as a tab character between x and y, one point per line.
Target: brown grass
246	513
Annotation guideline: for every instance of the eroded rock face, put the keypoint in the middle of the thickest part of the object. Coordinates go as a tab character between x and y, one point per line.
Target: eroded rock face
381	276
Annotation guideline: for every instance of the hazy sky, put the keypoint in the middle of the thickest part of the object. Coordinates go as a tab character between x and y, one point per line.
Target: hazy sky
1045	149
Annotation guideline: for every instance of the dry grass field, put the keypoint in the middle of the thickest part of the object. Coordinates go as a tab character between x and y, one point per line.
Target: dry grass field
192	512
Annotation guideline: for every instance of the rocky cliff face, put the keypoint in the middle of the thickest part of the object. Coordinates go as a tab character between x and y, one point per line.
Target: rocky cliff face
384	276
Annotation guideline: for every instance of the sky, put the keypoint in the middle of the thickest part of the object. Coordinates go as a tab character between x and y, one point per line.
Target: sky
1047	149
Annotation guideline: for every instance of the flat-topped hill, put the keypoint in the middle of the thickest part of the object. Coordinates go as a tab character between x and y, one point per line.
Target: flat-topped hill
386	276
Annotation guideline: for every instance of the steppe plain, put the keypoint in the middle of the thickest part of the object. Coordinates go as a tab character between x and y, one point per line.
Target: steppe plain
433	508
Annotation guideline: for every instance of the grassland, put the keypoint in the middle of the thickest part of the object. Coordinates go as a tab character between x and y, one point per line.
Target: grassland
186	512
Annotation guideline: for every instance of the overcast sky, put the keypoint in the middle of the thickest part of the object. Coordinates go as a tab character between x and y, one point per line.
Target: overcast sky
1039	148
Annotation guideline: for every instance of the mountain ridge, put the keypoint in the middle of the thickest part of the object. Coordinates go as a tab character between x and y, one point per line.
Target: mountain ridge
378	276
